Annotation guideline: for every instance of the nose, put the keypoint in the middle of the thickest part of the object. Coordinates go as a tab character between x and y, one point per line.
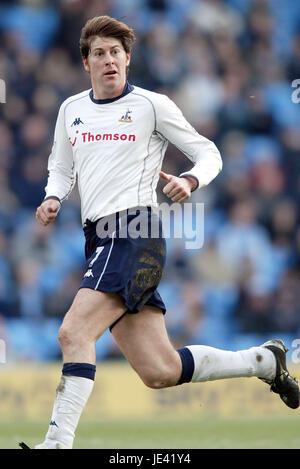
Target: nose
109	59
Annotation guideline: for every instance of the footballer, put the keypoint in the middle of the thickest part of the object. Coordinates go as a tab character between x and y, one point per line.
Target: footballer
112	139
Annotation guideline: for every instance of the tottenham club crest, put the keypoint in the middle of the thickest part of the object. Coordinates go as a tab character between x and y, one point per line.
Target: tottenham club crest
126	117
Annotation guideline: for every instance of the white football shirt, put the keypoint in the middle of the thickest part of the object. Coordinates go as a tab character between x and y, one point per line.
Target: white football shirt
115	149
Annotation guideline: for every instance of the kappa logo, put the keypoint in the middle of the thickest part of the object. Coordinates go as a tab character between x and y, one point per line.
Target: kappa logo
77	121
89	273
126	117
53	423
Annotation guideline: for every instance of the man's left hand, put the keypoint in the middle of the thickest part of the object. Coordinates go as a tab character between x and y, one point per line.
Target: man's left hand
178	189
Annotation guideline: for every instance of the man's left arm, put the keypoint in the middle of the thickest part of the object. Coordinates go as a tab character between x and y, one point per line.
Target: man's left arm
172	125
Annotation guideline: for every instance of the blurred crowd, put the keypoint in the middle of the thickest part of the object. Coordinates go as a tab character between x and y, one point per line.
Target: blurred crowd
229	65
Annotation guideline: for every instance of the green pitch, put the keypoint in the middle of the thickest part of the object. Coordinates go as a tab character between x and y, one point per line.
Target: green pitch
221	433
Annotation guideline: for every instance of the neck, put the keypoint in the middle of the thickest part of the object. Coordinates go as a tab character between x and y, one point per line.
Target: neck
127	89
108	93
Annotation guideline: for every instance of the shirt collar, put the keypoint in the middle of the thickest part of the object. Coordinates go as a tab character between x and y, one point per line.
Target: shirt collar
127	89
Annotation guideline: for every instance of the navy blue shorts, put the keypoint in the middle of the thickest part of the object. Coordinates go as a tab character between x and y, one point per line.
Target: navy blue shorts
128	265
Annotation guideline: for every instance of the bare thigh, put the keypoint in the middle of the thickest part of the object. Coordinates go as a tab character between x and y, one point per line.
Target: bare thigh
144	341
90	314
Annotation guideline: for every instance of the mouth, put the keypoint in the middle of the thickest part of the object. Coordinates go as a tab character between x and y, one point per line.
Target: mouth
110	73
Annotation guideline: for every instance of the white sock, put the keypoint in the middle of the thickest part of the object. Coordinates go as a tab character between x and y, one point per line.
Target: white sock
212	364
72	395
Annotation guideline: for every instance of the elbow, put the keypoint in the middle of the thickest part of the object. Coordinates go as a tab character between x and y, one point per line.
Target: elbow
219	158
220	163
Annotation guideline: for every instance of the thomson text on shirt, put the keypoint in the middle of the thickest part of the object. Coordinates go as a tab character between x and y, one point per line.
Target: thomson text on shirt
88	137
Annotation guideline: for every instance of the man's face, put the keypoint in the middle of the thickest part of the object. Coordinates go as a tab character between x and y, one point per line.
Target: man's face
106	63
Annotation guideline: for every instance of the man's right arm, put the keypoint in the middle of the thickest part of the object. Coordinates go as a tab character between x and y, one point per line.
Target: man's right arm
61	177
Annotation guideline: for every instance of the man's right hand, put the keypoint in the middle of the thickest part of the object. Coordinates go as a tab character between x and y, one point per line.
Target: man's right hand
47	211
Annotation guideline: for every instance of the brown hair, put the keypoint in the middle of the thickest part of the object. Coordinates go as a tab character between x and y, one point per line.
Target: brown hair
105	26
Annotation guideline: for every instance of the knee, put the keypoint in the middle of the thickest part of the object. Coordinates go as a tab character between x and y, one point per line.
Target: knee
65	337
69	338
159	379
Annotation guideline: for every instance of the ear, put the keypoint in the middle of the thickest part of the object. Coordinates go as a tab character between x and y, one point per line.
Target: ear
128	57
86	64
